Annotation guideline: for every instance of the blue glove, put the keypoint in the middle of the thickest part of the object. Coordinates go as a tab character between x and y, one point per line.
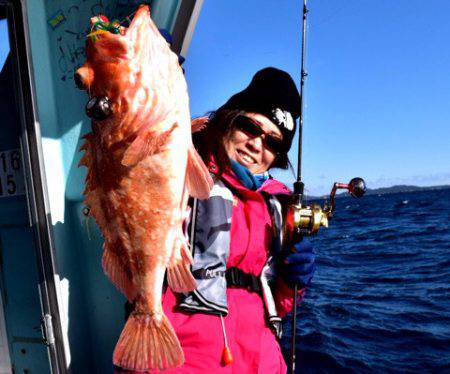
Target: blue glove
298	267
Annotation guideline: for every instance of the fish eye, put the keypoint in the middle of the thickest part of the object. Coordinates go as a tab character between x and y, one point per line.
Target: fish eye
98	108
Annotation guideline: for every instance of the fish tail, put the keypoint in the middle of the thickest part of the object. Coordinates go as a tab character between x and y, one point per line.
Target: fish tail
179	274
148	342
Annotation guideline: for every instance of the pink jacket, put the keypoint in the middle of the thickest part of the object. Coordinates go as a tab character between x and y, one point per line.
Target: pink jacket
253	345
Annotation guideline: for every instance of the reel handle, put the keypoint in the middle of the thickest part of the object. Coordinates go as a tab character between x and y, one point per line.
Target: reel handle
304	220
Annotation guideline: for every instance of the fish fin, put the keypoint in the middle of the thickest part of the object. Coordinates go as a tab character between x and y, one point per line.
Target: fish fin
116	270
179	274
85	160
148	342
86	147
198	179
199	123
145	144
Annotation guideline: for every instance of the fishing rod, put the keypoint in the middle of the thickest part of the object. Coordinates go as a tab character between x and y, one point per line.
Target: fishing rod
298	184
301	220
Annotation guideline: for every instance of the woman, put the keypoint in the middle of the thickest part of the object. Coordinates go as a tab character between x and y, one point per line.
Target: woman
244	280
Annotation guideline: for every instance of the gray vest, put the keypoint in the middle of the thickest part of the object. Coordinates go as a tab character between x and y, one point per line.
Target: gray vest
211	246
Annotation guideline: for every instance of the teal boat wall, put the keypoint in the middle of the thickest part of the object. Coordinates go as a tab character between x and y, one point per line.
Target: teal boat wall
92	309
19	277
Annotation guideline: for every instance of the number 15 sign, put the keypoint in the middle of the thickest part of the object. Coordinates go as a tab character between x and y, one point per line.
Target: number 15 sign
11	173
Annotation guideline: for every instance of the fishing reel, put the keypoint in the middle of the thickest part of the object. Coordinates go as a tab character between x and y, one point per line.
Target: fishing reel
305	220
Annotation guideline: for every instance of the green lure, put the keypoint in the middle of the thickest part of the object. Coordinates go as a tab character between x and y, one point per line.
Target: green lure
102	26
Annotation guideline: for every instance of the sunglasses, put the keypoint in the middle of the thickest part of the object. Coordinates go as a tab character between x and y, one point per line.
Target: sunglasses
253	130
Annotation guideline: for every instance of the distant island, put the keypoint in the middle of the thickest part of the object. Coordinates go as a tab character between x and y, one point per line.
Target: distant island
403	188
388	190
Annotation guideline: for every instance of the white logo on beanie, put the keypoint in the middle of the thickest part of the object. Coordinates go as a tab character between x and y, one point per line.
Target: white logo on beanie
283	118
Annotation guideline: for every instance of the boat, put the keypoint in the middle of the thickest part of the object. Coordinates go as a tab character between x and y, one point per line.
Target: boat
58	312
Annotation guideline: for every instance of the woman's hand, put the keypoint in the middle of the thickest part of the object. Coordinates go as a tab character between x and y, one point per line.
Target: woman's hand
298	267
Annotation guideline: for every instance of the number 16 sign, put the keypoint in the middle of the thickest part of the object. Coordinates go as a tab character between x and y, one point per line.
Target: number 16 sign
11	174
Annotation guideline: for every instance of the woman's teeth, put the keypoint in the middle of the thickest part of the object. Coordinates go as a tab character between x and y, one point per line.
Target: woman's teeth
246	158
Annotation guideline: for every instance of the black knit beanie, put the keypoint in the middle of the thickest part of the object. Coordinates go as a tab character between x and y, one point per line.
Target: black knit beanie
272	92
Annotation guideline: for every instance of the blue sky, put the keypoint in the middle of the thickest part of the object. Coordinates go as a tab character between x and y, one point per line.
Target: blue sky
377	99
4	45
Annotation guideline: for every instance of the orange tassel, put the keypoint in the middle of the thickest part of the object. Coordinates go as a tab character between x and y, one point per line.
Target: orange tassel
227	357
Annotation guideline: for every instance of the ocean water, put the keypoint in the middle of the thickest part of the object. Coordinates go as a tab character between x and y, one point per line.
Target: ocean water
380	298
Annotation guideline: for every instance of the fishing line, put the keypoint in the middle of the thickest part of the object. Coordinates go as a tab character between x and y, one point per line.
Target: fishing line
87	221
86	212
127	18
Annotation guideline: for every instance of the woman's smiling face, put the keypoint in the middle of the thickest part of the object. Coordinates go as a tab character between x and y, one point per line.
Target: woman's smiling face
251	151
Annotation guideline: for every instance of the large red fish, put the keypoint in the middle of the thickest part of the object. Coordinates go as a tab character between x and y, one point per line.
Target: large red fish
141	168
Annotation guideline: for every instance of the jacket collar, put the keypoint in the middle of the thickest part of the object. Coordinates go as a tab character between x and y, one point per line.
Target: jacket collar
271	186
